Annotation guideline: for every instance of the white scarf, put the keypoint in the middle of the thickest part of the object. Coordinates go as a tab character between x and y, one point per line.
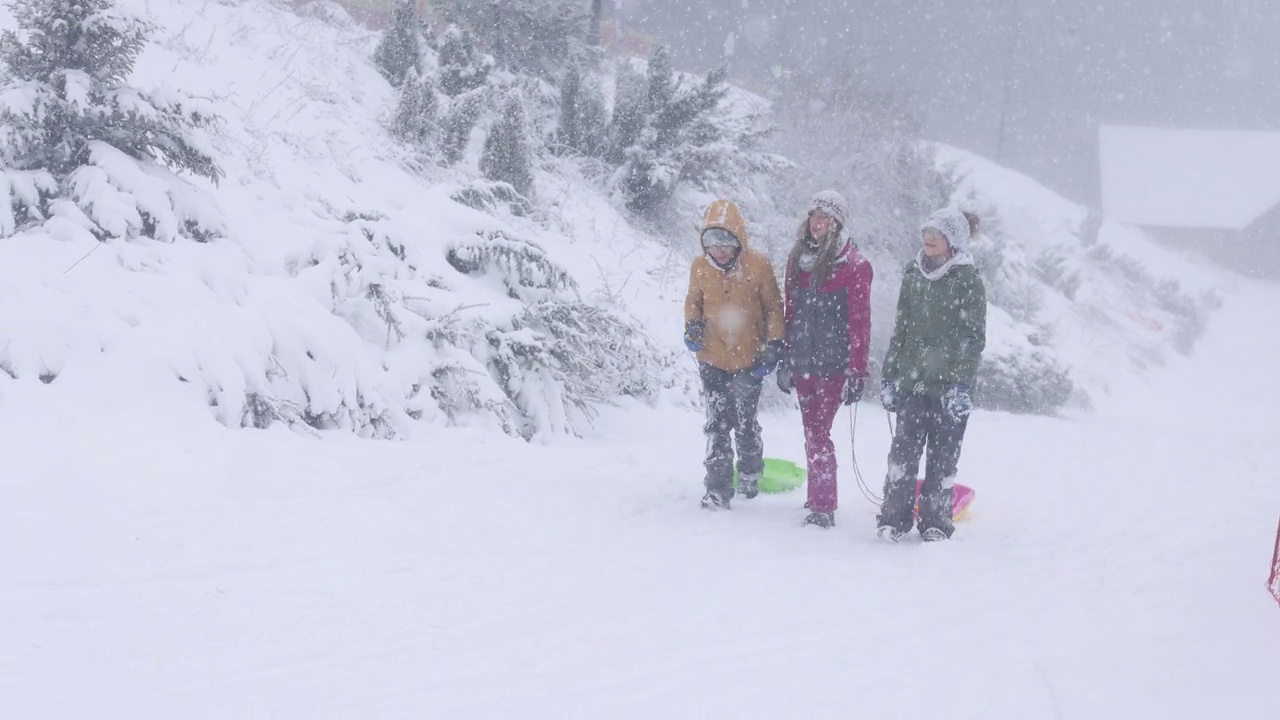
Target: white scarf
959	258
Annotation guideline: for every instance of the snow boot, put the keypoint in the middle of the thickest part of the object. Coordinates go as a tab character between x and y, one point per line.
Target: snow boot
889	533
933	534
821	519
749	485
713	501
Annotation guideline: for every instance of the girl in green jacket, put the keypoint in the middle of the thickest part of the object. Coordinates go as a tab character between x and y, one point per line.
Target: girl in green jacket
938	337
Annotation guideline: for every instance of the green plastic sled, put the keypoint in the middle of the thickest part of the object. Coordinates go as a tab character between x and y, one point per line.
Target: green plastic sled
779	476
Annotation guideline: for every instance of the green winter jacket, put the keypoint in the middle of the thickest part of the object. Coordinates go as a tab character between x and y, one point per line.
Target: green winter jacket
940	330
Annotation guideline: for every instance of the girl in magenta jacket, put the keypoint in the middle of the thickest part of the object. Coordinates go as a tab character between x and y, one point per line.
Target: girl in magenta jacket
828	335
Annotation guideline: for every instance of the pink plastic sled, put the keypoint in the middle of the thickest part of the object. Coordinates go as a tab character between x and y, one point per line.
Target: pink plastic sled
960	501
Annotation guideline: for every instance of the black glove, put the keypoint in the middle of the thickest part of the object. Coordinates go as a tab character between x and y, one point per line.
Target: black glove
853	386
769	359
693	334
786	381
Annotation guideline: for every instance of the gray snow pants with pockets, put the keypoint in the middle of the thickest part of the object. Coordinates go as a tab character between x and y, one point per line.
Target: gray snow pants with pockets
922	421
731	400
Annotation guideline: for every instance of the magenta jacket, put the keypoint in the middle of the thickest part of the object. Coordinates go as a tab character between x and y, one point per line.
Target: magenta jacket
828	329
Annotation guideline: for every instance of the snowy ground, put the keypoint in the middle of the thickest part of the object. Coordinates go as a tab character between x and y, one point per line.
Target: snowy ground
1112	566
158	564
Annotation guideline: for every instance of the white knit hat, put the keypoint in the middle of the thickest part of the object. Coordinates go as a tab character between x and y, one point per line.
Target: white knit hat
953	225
833	204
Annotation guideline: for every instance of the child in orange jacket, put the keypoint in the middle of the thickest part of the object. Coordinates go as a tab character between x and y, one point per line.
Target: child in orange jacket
733	321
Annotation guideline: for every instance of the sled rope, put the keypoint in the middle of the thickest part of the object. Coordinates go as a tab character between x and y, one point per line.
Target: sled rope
857	472
1273	582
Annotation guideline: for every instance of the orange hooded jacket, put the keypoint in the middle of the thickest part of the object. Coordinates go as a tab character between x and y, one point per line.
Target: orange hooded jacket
741	306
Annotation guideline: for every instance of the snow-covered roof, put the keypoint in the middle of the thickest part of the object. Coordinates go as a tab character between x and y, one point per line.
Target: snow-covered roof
1188	178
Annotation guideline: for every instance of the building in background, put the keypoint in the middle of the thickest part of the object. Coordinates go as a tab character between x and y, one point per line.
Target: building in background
1216	191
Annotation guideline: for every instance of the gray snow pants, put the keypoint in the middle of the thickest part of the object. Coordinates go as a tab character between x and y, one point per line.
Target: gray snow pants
731	400
922	421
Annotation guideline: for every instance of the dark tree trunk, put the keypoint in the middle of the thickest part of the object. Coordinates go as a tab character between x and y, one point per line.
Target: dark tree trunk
596	10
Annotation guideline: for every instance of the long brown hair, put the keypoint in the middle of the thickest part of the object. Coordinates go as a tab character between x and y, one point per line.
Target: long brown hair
828	251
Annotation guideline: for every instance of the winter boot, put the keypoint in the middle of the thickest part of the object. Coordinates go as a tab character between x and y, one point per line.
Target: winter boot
889	533
933	534
713	501
821	519
749	485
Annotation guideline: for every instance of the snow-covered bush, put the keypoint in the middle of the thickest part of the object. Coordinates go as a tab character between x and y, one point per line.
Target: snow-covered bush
1030	381
519	347
1052	266
494	198
557	356
1193	316
1189	313
84	151
1011	286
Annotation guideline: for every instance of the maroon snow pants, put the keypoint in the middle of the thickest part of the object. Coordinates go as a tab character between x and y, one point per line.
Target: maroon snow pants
819	401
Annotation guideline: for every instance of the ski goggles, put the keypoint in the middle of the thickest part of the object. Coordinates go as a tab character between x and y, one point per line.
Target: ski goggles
720	237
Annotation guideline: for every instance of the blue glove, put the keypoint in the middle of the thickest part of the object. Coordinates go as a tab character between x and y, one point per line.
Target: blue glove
693	334
889	395
769	359
957	402
853	387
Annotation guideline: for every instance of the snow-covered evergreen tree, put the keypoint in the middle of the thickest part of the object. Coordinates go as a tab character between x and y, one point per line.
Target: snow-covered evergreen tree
661	76
567	125
631	103
464	111
79	144
415	120
582	123
507	156
677	125
398	51
525	36
593	117
462	66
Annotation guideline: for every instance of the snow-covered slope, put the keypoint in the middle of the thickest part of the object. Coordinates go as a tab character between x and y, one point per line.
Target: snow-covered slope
331	301
1112	566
